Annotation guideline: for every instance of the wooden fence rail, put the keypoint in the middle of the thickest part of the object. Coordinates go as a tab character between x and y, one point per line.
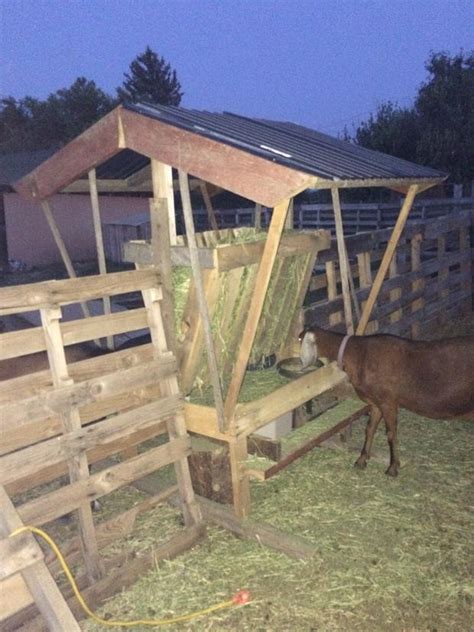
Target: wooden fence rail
429	283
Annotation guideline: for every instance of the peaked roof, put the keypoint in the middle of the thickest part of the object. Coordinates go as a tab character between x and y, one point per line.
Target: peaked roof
265	161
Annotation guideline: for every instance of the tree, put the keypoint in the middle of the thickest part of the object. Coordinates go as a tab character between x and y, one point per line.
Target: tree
151	79
30	123
438	130
445	109
393	130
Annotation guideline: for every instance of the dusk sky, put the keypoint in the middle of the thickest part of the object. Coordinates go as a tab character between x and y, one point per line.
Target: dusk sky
321	63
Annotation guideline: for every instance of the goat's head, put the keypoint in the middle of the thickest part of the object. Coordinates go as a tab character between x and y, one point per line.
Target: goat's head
309	348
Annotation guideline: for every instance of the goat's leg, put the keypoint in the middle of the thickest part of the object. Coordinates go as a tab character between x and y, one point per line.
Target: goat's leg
372	424
390	417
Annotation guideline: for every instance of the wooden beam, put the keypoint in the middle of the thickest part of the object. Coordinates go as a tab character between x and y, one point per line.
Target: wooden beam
37	578
99	241
313	443
62	249
203	309
162	181
292	545
161	253
233	169
260	291
91	148
343	260
385	263
211	216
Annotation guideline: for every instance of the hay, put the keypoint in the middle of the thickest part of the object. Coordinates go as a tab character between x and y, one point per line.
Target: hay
393	554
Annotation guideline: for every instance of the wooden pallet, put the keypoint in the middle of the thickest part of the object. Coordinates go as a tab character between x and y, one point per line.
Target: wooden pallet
55	423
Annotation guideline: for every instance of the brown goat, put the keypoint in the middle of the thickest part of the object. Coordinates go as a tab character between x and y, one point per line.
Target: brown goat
434	379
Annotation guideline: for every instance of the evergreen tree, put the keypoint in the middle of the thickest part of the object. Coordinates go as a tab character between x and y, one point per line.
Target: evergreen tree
152	80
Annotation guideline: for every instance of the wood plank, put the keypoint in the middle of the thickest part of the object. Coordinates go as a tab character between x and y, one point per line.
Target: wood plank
343	261
37	577
162	183
249	417
391	246
26	462
23	342
99	240
14	596
203	420
313	443
72	396
202	304
21	298
98	143
211	216
292	545
260	290
66	499
77	465
230	168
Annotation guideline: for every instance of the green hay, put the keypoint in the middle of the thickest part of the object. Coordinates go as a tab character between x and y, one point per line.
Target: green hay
392	554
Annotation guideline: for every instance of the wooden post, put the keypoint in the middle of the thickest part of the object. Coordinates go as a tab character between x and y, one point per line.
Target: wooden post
63	250
71	421
34	572
240	477
258	216
343	260
290	217
211	216
206	323
256	305
161	252
419	303
99	240
385	263
162	182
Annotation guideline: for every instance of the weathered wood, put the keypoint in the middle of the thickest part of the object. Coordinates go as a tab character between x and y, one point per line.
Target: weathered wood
263	446
211	216
343	261
99	240
239	476
292	545
162	183
31	340
249	417
227	167
203	309
20	298
77	465
313	443
35	574
126	569
160	235
391	246
260	289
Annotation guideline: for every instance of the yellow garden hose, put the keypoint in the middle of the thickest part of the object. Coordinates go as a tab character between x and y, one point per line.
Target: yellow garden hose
239	599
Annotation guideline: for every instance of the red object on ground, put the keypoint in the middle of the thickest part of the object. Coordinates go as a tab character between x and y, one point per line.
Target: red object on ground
241	598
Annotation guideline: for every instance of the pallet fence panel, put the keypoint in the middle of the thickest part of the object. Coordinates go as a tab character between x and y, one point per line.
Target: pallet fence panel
57	422
429	282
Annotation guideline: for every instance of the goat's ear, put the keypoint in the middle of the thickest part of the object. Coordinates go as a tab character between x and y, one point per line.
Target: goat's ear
307	335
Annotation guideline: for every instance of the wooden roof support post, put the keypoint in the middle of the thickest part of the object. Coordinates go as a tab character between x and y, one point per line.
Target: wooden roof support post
211	216
343	260
63	250
258	216
206	322
162	182
260	290
387	258
161	251
99	241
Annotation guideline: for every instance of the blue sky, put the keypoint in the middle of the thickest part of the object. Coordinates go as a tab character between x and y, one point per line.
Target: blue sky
320	63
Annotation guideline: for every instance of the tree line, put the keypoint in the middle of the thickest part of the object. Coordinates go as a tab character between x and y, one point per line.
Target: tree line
29	123
437	130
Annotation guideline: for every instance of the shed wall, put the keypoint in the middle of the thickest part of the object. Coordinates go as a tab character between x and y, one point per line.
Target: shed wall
29	239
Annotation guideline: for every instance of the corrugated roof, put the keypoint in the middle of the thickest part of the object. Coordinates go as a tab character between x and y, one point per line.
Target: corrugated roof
288	144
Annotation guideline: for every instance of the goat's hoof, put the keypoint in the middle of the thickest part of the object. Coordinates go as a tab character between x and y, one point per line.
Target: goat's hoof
392	471
361	463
